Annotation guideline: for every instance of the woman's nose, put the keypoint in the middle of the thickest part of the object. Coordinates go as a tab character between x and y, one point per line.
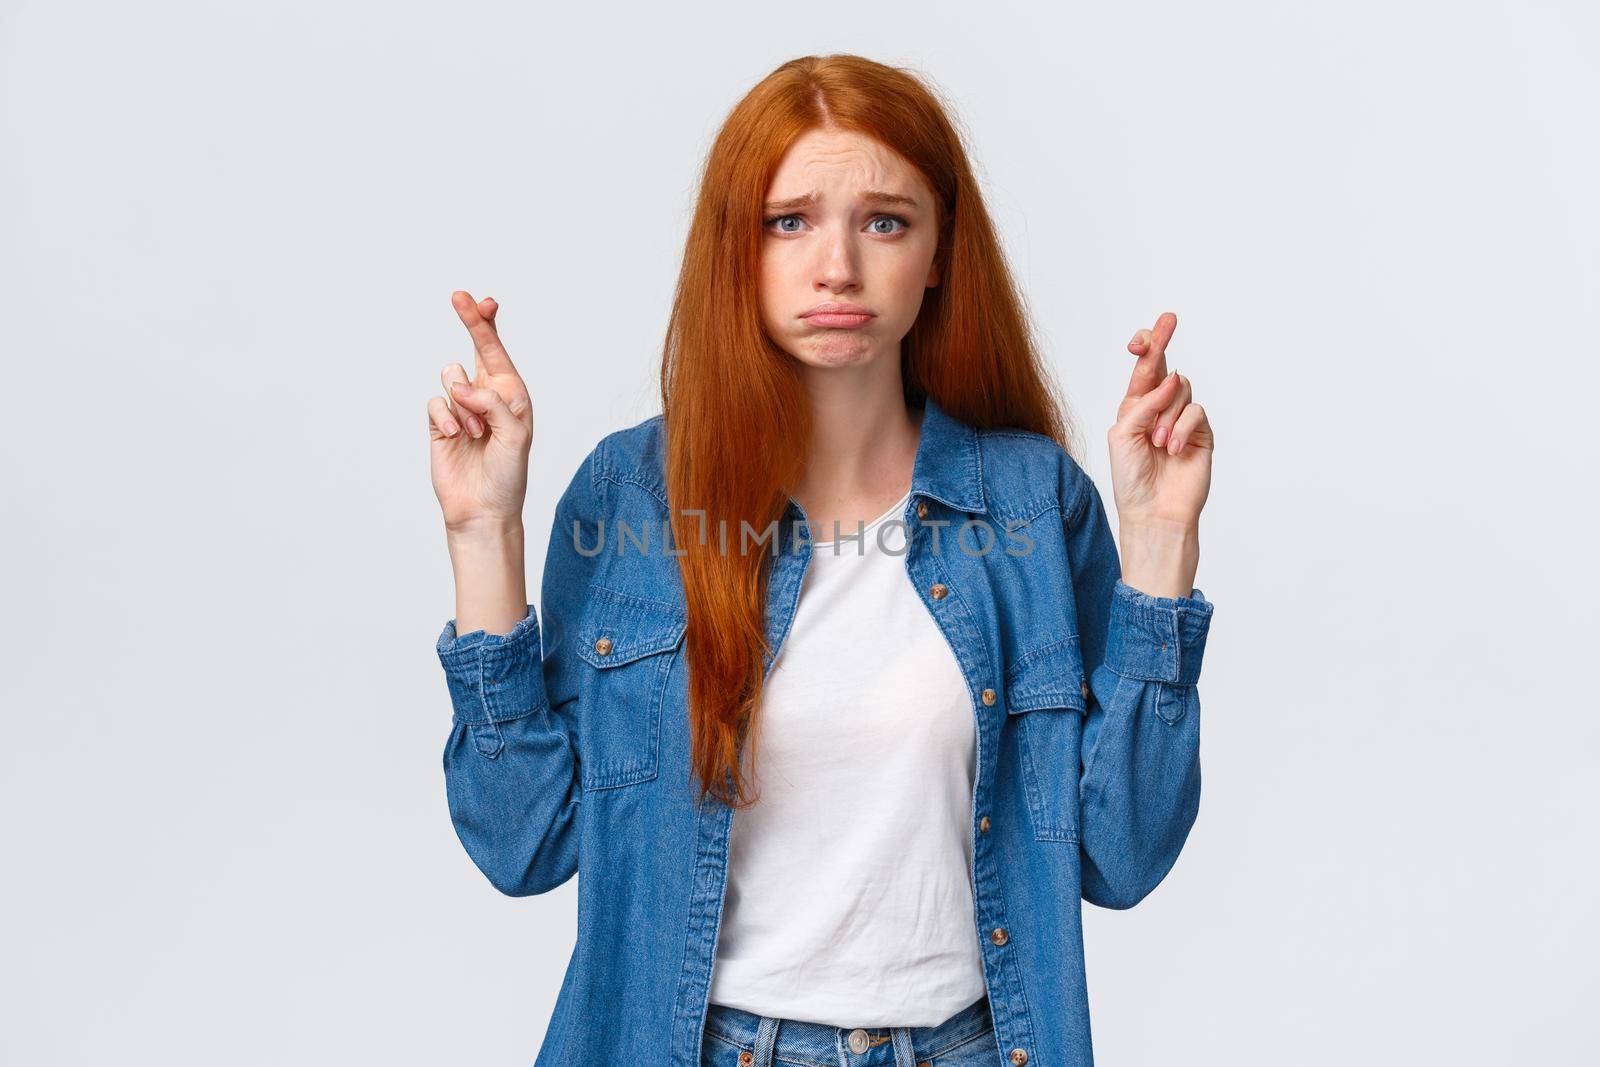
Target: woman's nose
839	266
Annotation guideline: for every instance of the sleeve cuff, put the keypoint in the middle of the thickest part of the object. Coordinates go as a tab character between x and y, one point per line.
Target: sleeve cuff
1157	638
493	677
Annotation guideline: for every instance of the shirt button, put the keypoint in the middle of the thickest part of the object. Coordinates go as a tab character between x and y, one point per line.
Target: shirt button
858	1041
746	1058
988	696
983	824
1018	1056
922	509
999	936
603	646
938	590
1083	688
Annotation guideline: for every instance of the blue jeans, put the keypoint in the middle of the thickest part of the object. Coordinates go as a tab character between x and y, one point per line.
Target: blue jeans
735	1038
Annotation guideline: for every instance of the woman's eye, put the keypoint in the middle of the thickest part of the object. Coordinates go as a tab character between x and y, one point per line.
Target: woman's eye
777	222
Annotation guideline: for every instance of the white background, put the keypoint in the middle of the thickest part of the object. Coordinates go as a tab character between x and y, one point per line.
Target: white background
228	235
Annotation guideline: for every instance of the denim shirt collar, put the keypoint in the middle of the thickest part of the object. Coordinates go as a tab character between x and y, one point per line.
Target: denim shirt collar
949	463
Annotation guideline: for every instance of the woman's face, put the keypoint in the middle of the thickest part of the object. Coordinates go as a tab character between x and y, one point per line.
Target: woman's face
847	221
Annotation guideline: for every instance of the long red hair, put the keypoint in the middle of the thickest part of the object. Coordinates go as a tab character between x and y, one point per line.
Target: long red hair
737	414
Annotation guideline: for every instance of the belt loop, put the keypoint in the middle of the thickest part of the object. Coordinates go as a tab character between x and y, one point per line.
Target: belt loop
904	1053
766	1041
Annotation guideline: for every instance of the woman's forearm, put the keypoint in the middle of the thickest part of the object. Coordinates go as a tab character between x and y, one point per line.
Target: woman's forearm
1160	561
491	578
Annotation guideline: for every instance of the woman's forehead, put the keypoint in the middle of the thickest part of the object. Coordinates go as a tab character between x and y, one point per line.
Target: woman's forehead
822	165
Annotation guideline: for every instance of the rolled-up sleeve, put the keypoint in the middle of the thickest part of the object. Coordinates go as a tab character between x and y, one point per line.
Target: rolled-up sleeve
1157	638
493	677
510	768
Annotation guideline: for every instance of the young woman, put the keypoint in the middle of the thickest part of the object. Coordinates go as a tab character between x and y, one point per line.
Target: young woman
852	562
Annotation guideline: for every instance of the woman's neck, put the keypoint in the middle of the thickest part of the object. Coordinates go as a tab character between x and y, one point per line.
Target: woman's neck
863	451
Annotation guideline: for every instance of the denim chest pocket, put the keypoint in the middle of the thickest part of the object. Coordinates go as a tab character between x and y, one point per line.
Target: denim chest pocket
1047	692
630	644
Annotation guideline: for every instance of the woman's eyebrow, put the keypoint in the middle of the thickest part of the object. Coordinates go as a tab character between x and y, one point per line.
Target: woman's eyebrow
871	196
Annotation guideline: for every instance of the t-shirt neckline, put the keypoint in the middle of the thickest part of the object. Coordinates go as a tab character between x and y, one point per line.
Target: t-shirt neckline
844	533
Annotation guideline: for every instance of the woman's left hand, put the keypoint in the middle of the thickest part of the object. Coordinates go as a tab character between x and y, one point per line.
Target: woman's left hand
1161	446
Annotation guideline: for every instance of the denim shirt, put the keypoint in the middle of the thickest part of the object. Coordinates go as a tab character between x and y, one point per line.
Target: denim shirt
568	750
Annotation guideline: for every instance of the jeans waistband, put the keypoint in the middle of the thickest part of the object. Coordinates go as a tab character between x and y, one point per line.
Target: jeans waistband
798	1042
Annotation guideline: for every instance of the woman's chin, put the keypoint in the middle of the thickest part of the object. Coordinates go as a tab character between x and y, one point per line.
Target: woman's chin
839	348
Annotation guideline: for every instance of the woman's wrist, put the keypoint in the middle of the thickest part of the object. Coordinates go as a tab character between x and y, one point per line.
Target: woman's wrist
483	529
1160	559
491	580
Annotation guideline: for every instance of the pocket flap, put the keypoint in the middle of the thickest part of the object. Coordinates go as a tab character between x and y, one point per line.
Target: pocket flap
1048	677
626	628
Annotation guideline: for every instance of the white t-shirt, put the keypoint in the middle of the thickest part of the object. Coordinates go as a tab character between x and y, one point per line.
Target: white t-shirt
849	896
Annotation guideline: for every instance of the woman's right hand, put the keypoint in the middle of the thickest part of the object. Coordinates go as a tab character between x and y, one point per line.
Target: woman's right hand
480	431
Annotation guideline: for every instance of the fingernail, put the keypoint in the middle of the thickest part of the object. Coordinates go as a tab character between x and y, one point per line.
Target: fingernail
459	387
451	429
1160	436
1135	340
475	426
